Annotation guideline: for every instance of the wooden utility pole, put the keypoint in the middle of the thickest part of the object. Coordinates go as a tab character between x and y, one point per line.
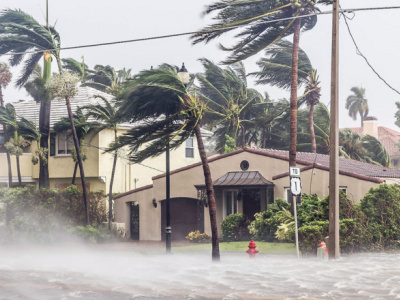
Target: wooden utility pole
333	244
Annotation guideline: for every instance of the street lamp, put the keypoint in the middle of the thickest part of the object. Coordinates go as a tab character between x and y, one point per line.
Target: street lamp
183	75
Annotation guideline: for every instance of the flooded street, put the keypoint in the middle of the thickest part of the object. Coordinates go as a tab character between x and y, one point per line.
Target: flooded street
95	272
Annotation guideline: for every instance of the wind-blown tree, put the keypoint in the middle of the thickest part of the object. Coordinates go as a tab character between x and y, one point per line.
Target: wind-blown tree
5	79
275	69
357	104
27	42
263	23
30	132
15	145
82	126
107	79
164	107
74	66
376	151
64	85
229	101
107	117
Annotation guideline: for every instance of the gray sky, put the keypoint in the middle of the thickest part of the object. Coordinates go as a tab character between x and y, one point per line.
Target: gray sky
89	22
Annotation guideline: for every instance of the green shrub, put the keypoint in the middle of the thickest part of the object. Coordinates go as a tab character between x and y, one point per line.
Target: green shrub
234	228
266	223
91	234
381	207
42	215
197	237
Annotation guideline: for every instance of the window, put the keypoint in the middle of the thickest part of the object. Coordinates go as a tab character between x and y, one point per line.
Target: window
64	143
189	148
230	202
2	142
343	188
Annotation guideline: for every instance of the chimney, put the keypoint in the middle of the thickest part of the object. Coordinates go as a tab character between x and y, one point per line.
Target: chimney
370	126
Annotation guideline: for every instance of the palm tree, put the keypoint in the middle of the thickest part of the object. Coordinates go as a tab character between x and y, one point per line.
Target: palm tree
19	33
229	100
263	23
376	151
8	117
5	79
107	116
357	104
160	101
275	70
82	127
74	66
106	79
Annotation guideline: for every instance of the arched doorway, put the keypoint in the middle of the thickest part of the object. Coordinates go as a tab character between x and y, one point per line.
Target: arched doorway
187	214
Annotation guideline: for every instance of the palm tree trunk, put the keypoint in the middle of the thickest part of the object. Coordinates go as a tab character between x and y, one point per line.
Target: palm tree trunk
264	143
6	139
210	195
44	129
110	208
361	118
312	132
79	157
243	136
293	94
18	171
74	176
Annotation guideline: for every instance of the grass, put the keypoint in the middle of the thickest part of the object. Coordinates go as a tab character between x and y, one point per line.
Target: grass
263	247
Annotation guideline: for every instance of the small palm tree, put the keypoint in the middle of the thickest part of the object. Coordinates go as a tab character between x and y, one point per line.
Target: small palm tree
312	95
107	117
74	66
15	145
5	79
357	104
82	127
160	101
106	79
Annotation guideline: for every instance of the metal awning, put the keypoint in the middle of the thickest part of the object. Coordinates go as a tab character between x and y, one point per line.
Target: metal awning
251	179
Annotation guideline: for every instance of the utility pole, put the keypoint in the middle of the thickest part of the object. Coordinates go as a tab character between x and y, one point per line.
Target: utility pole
333	244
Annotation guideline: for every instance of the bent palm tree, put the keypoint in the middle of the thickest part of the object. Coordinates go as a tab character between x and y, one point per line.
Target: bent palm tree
357	104
74	66
160	101
229	100
5	79
106	79
263	23
107	117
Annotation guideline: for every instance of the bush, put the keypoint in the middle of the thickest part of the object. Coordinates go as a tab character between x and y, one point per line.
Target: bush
91	234
381	207
42	215
197	237
234	228
266	223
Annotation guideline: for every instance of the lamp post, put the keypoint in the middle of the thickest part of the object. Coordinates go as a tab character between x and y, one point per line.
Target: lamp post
183	75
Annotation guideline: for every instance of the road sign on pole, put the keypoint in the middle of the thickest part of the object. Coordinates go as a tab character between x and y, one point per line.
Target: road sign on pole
294	171
295	186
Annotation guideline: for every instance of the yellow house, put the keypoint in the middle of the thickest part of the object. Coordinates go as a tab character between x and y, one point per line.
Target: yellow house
98	165
245	181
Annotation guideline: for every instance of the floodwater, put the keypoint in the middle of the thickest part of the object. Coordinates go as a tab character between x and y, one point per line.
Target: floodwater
95	272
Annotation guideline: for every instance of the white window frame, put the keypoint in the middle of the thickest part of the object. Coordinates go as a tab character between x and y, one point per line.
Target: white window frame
66	141
233	201
189	147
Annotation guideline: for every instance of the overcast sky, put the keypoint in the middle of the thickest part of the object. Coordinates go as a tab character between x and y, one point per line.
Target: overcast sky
97	21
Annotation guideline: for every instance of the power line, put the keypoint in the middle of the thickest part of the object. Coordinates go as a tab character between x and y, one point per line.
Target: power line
194	32
358	51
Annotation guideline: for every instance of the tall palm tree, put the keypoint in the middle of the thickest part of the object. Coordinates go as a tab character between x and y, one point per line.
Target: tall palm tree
82	126
263	23
107	117
229	100
19	33
5	79
107	79
357	104
160	101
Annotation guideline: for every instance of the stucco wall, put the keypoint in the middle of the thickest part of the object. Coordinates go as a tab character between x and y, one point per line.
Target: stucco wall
25	162
149	216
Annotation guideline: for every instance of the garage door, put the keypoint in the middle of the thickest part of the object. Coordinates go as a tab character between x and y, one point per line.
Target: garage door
186	216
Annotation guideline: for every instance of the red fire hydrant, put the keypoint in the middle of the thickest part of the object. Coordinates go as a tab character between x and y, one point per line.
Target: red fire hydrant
252	249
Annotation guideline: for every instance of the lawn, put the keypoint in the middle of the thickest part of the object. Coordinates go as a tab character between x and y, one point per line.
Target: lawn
263	247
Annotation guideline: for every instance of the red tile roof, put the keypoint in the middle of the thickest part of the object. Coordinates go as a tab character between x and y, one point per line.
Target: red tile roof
134	191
